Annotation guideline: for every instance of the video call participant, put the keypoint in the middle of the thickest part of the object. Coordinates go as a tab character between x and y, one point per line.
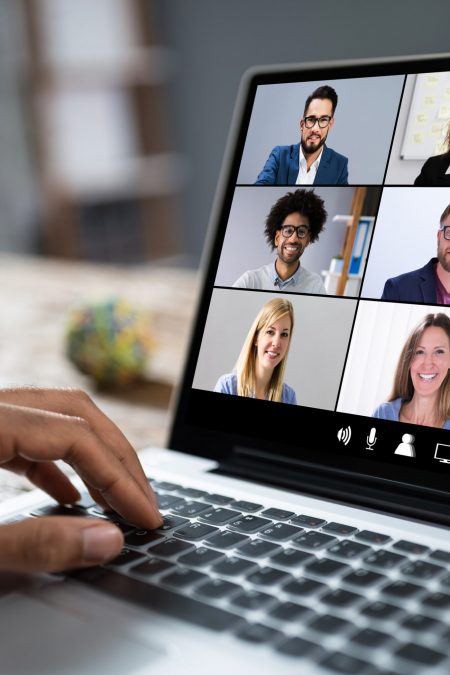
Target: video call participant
429	284
294	222
310	161
421	390
261	365
436	170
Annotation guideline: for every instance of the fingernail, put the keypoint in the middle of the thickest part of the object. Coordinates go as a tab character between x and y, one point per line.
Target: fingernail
101	543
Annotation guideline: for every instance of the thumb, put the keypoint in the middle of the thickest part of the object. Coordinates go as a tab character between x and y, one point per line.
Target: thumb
57	543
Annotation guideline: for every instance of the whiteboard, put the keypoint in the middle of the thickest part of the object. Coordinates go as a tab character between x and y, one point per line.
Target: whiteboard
428	117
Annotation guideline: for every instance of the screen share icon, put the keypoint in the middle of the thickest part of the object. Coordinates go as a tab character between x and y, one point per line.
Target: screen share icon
442	453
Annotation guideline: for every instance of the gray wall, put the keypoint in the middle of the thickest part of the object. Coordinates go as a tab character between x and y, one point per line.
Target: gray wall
278	109
216	41
317	351
245	248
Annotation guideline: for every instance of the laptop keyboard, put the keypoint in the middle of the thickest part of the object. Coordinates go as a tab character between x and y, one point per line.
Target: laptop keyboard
353	601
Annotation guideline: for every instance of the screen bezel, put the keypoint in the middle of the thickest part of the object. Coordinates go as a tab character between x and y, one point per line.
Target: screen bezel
209	436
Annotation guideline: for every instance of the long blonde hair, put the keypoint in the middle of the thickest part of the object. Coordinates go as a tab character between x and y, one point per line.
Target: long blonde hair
403	386
246	364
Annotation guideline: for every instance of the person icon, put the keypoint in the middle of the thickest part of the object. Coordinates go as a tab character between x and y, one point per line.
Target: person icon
406	447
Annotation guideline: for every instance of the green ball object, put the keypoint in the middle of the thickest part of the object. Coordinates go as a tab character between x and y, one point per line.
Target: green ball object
111	341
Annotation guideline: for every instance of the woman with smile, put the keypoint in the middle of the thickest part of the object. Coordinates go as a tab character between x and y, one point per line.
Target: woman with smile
421	390
260	367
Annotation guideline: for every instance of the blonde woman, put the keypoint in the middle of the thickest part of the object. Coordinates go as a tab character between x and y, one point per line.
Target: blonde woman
259	371
436	170
421	390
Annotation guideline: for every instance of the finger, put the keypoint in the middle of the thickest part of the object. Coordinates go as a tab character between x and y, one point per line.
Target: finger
37	435
78	404
57	543
46	476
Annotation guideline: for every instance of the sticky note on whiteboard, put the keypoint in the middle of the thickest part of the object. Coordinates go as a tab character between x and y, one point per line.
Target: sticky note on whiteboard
422	118
444	112
432	78
418	138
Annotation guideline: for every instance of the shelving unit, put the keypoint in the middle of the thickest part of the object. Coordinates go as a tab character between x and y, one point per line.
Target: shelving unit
109	178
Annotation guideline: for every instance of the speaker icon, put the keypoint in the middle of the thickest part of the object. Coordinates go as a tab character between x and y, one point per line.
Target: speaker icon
344	435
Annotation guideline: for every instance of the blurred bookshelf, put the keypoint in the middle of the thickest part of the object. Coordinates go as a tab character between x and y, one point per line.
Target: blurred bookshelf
96	82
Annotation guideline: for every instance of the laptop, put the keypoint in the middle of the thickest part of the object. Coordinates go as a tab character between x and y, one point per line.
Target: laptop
305	488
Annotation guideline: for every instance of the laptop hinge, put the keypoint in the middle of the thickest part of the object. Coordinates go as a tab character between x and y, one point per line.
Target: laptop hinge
389	497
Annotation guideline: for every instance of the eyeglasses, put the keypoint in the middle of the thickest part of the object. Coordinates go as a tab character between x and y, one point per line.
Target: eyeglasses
311	120
446	231
300	230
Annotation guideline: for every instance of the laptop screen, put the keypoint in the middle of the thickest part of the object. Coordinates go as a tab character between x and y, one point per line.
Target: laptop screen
323	333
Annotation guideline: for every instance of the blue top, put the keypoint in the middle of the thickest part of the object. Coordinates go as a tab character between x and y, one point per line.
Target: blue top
282	167
227	384
390	410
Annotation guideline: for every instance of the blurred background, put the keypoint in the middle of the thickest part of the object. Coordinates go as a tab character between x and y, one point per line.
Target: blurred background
114	114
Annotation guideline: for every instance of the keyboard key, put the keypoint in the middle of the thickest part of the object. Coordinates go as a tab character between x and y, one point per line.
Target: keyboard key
440	556
420	623
297	646
143	537
152	567
439	601
307	521
126	556
170	523
227	540
233	566
417	654
363	578
384	560
257	548
280	532
267	576
340	598
191	493
183	578
313	541
410	547
201	557
339	529
191	509
252	600
220	500
346	664
329	625
195	531
249	524
258	634
242	505
370	537
171	548
325	567
380	611
289	557
216	589
289	611
60	510
419	569
161	600
348	549
165	485
303	587
368	637
401	590
168	501
220	516
445	581
277	514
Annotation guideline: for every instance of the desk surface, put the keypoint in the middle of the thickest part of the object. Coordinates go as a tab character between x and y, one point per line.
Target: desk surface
36	296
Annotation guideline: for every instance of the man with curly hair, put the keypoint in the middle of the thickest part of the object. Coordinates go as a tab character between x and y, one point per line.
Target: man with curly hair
310	161
294	222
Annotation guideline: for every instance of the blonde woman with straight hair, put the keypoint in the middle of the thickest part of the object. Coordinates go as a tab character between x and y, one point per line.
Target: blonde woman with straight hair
421	389
260	368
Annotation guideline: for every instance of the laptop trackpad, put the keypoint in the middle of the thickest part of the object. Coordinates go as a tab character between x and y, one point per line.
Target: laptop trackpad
40	639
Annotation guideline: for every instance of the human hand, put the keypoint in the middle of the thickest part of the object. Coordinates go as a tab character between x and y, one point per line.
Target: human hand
39	426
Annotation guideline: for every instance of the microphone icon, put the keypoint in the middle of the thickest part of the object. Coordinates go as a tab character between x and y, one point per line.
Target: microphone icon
371	439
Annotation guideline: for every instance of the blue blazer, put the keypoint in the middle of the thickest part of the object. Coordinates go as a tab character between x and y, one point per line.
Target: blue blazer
416	286
282	167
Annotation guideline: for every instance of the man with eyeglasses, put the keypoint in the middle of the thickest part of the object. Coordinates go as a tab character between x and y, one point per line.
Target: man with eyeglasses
429	284
310	161
294	222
